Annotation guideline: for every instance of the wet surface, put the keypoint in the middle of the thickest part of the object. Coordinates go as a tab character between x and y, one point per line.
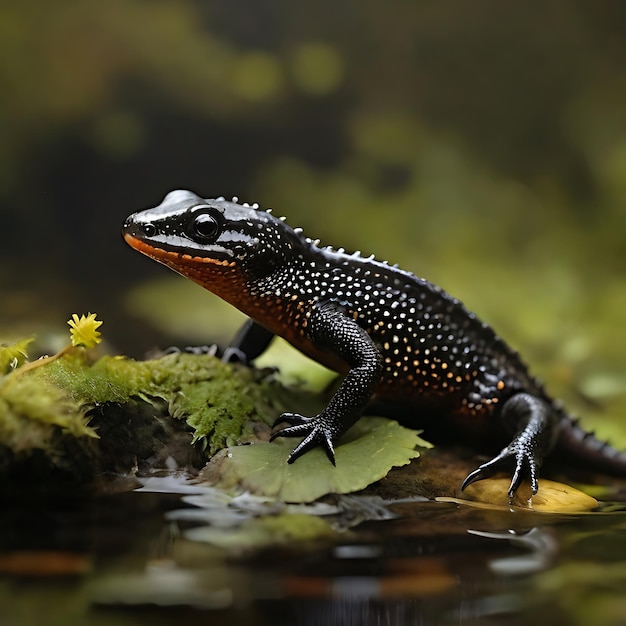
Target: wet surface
200	556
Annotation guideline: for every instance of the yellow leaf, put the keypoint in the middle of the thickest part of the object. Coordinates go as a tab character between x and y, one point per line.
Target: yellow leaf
552	497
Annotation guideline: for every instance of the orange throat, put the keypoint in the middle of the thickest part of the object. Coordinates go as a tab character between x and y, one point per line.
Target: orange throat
221	277
227	280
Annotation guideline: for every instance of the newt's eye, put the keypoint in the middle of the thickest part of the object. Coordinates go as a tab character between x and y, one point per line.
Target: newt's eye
150	230
204	228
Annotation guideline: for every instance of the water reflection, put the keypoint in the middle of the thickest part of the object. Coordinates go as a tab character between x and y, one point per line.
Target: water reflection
422	567
541	547
244	560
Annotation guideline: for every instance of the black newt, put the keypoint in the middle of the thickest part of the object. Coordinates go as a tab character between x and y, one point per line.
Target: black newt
399	340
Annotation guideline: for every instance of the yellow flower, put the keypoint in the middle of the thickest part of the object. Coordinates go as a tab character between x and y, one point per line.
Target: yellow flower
84	330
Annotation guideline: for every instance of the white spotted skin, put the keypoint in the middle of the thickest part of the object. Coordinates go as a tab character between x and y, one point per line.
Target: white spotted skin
436	354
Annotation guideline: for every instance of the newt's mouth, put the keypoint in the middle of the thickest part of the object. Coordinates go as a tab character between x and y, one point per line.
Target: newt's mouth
145	248
172	258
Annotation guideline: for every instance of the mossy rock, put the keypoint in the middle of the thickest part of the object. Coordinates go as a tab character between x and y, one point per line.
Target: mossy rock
119	415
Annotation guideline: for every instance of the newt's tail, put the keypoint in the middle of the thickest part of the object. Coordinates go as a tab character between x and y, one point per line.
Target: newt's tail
577	444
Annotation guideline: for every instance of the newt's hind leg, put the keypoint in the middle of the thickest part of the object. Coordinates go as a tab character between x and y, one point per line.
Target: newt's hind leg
534	424
250	342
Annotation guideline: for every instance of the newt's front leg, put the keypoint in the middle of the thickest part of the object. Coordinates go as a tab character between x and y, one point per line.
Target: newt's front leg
330	328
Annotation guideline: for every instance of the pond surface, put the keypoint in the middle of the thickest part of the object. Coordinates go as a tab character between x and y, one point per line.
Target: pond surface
152	557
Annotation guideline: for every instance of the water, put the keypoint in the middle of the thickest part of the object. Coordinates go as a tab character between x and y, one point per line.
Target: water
196	555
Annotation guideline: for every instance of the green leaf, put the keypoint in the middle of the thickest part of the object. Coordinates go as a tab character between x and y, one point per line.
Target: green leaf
365	454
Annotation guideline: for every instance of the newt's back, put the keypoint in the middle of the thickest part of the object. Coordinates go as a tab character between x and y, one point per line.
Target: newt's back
437	355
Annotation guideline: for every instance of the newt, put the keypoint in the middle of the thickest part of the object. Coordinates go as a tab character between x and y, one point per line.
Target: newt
401	342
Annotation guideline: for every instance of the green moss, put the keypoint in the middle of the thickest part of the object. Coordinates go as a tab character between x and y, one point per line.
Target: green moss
13	355
109	379
219	402
34	412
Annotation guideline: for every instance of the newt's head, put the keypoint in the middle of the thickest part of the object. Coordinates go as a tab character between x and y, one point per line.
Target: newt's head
219	244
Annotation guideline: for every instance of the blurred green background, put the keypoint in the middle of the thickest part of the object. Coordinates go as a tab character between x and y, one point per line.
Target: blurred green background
481	145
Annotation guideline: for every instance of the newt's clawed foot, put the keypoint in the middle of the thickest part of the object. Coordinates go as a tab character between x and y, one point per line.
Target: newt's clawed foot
525	463
315	430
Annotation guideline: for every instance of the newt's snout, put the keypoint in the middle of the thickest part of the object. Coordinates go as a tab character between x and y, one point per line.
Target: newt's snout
139	230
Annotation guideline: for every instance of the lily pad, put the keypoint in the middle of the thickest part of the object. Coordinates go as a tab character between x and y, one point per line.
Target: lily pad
365	454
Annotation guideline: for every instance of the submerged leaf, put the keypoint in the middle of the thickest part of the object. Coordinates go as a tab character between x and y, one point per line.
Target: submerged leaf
366	454
43	563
